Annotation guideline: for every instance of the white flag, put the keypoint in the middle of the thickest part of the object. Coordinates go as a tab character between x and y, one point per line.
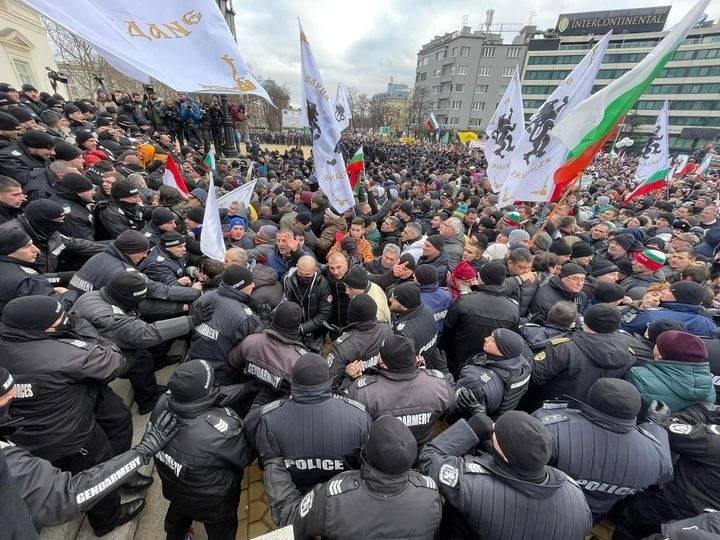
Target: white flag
342	108
184	43
539	154
325	130
680	162
655	157
705	165
242	194
212	243
503	131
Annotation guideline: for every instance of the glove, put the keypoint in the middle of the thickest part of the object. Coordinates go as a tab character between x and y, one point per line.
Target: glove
157	435
266	443
482	425
658	413
468	403
201	313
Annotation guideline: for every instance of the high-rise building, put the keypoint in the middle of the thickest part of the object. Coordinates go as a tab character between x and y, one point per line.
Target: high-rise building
462	75
690	81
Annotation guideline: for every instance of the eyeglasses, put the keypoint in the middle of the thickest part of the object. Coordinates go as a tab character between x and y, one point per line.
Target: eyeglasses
576	279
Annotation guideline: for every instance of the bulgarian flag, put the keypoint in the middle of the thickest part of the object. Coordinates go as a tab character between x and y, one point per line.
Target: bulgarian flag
209	160
654	165
589	125
432	123
172	176
354	167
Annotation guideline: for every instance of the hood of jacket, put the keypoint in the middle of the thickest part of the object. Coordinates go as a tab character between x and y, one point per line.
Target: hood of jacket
554	481
691	381
603	350
264	275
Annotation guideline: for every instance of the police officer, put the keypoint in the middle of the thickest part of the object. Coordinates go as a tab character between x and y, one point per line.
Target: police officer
357	349
501	376
414	320
585	434
201	469
120	213
32	151
417	397
166	263
112	311
55	497
269	356
124	255
694	435
74	194
232	321
385	496
61	368
333	427
510	492
162	220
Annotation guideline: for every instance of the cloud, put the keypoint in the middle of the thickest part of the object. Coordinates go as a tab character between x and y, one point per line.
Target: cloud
362	45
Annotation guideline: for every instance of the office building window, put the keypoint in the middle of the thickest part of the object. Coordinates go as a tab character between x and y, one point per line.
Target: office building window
440	55
488	52
438	73
459	87
461	70
508	71
435	89
454	121
456	105
478	106
481	88
485	71
513	52
454	51
474	121
464	51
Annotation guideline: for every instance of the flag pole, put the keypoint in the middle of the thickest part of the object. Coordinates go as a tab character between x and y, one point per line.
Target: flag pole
568	190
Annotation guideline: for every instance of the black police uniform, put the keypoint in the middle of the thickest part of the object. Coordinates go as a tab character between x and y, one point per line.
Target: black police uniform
502	382
359	341
231	322
161	266
14	513
17	163
583	440
419	326
78	222
494	505
41	184
201	468
111	220
333	427
21	279
153	234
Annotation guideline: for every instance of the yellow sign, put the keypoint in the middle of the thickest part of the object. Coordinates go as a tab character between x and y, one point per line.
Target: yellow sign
467	136
407	140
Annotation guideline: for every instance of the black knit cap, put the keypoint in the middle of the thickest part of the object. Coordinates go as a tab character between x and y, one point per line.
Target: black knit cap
132	242
287	317
398	354
171	239
628	242
493	273
127	289
688	292
21	114
6	381
238	277
13	239
34	312
426	274
390	447
76	183
581	249
196	214
655	328
603	318
569	269
602	267
361	308
524	441
83	135
310	369
122	189
356	278
408	294
615	397
509	343
8	122
560	247
192	381
161	216
609	292
437	241
38	139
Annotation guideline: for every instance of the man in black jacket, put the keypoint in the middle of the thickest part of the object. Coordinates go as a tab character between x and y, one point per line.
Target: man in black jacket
11	198
32	151
120	213
567	286
74	194
475	314
167	261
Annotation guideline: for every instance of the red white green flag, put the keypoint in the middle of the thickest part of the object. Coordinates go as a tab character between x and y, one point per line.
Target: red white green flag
431	122
354	167
654	165
591	123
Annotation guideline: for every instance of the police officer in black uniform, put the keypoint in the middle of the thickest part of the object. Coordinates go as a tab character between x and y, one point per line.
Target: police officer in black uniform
417	397
499	377
61	367
232	320
74	194
162	220
510	492
166	263
112	311
55	497
120	213
360	342
584	435
31	152
385	496
202	467
694	435
333	427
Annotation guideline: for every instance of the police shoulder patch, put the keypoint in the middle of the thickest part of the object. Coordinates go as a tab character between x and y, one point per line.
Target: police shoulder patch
550	419
29	271
552	404
475	468
76	343
571	480
148	234
306	503
159	258
349	401
15	153
435	373
232	414
539	357
342	484
559	340
400	326
272	406
117	310
714	428
367	380
420	480
247	310
449	475
680	429
218	423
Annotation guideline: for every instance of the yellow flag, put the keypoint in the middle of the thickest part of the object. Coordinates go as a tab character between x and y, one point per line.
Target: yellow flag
467	136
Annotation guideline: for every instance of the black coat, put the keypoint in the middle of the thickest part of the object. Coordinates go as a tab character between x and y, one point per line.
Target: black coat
17	163
549	294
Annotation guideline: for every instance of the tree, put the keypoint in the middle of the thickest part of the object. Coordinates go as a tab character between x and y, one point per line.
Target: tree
418	107
359	108
280	96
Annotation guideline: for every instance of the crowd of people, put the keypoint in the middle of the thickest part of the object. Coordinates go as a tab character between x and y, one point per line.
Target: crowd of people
425	365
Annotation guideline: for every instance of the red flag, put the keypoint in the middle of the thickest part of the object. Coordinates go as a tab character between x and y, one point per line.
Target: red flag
172	176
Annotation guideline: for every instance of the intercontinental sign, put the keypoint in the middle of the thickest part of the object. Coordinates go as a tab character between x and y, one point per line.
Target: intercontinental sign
620	21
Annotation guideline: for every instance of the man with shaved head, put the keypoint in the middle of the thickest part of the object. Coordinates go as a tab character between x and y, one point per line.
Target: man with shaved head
307	287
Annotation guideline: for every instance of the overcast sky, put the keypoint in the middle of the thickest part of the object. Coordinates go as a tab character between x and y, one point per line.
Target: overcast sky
362	44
